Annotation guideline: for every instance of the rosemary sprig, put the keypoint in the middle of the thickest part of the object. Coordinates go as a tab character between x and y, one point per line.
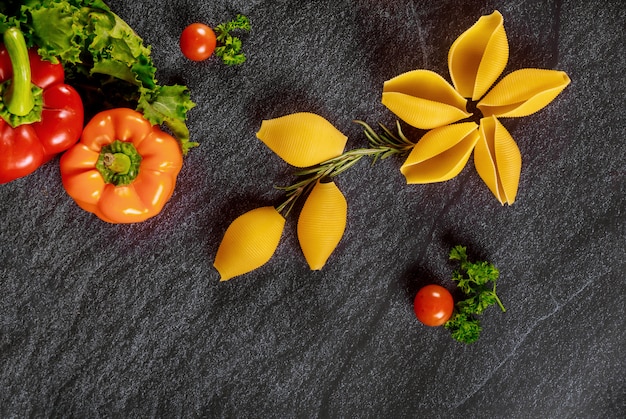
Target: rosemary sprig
380	147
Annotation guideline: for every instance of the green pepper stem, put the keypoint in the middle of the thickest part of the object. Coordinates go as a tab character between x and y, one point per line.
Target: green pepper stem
117	162
18	98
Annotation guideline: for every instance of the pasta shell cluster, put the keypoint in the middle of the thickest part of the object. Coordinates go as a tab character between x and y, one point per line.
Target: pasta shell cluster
425	100
301	139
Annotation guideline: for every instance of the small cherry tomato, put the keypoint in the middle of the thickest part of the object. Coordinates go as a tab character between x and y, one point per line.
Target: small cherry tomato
197	42
433	305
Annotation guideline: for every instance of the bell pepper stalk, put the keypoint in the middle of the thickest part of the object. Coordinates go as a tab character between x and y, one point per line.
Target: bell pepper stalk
123	169
40	115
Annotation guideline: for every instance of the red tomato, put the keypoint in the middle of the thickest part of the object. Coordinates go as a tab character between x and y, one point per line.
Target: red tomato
197	42
433	305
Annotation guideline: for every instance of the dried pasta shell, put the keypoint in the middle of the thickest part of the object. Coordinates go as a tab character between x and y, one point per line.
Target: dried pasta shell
424	99
498	160
249	242
478	56
322	223
523	92
441	153
302	139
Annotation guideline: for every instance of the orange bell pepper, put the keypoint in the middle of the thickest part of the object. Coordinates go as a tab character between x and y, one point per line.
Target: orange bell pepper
123	169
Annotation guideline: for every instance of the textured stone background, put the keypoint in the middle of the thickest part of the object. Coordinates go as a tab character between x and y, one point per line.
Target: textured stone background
129	321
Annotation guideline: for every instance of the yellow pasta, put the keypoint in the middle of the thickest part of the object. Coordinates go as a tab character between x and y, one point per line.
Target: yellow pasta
302	139
423	99
523	92
498	160
249	242
478	56
322	223
441	153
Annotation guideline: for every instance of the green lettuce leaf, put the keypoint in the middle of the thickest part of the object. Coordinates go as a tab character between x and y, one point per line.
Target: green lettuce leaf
168	105
53	27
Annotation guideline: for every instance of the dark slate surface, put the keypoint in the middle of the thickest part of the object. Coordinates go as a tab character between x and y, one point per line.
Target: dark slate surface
131	321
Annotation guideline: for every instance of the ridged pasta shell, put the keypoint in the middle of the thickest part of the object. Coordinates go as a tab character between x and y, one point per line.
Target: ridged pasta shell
478	56
523	92
302	139
424	99
322	223
249	242
441	153
498	160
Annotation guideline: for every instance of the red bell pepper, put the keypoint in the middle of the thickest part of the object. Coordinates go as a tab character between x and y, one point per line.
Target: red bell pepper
40	116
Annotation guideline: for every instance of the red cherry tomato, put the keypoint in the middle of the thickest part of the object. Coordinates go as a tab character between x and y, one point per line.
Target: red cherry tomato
197	42
433	305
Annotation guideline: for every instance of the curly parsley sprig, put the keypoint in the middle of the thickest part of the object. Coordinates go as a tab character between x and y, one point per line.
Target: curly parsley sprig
229	49
380	147
477	280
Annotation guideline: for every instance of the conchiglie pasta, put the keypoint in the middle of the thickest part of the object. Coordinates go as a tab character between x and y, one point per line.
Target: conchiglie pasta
478	56
498	160
423	99
302	139
523	92
441	153
249	242
322	223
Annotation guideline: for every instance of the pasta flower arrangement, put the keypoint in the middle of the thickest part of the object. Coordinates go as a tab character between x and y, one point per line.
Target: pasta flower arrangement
425	100
422	99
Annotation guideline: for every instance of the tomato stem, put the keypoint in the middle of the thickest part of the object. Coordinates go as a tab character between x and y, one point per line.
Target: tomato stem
18	98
